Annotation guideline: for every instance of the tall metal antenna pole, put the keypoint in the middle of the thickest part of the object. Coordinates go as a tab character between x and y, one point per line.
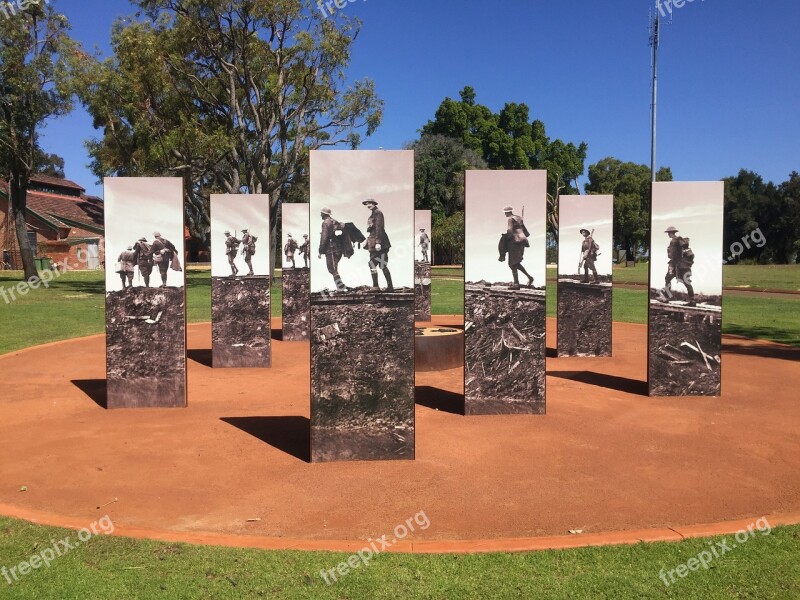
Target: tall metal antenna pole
654	40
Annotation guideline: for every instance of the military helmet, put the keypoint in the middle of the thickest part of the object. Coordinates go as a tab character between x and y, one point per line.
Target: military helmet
244	230
586	231
370	201
508	209
227	232
142	239
305	235
156	234
670	229
325	211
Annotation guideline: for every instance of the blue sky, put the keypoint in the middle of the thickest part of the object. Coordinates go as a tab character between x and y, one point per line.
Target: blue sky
729	87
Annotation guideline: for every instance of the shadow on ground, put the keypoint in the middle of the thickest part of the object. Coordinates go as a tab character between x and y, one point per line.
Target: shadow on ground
202	356
291	435
94	388
437	399
756	349
612	382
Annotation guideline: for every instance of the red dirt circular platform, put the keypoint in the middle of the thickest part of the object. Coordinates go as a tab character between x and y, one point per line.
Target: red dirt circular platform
606	459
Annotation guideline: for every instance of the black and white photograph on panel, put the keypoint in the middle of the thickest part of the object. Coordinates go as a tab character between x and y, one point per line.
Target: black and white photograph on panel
504	295
295	272
145	292
685	316
362	305
585	244
423	254
240	281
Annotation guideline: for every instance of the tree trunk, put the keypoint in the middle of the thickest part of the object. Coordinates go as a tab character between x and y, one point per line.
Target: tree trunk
18	200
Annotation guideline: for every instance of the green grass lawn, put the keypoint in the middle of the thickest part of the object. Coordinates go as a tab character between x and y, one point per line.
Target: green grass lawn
73	306
766	566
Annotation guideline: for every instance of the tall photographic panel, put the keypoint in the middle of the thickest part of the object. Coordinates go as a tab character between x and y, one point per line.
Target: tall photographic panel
362	305
423	254
685	316
145	292
296	274
504	296
240	281
585	245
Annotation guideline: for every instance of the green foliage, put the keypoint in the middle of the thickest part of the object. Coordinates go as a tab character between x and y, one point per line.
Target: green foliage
448	239
229	95
35	83
510	140
752	204
631	187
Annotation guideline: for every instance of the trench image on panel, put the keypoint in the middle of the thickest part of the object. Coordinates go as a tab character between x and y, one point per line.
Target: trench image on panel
240	281
585	245
295	272
685	316
145	292
422	265
504	296
362	305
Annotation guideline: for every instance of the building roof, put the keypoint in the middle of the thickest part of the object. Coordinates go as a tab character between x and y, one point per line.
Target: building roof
83	212
56	182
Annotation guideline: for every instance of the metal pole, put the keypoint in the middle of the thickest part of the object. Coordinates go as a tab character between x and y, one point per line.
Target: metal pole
654	98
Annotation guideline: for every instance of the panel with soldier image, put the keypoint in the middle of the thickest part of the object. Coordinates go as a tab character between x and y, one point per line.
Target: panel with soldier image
504	318
422	265
145	292
240	281
585	240
685	316
295	273
362	305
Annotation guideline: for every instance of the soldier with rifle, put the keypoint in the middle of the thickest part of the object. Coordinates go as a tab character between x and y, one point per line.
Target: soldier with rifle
231	250
289	249
514	243
681	259
248	249
588	256
305	249
164	252
331	246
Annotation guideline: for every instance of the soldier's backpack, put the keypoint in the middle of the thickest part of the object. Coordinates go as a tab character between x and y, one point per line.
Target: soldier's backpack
687	255
251	244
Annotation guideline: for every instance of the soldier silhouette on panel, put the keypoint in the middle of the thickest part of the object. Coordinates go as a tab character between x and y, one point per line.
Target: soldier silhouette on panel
289	249
331	247
248	250
143	258
305	250
164	255
424	244
127	260
378	245
588	256
513	243
681	260
231	250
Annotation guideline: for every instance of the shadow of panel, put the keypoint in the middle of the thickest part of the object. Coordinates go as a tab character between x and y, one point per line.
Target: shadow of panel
95	389
779	352
613	382
291	435
201	356
277	334
551	353
437	399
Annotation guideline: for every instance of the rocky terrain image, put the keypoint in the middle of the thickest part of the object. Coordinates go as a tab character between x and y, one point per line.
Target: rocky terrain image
240	322
146	347
362	376
504	349
296	308
584	317
422	291
685	347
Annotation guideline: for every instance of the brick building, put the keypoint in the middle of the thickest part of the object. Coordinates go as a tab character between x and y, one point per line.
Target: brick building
63	223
